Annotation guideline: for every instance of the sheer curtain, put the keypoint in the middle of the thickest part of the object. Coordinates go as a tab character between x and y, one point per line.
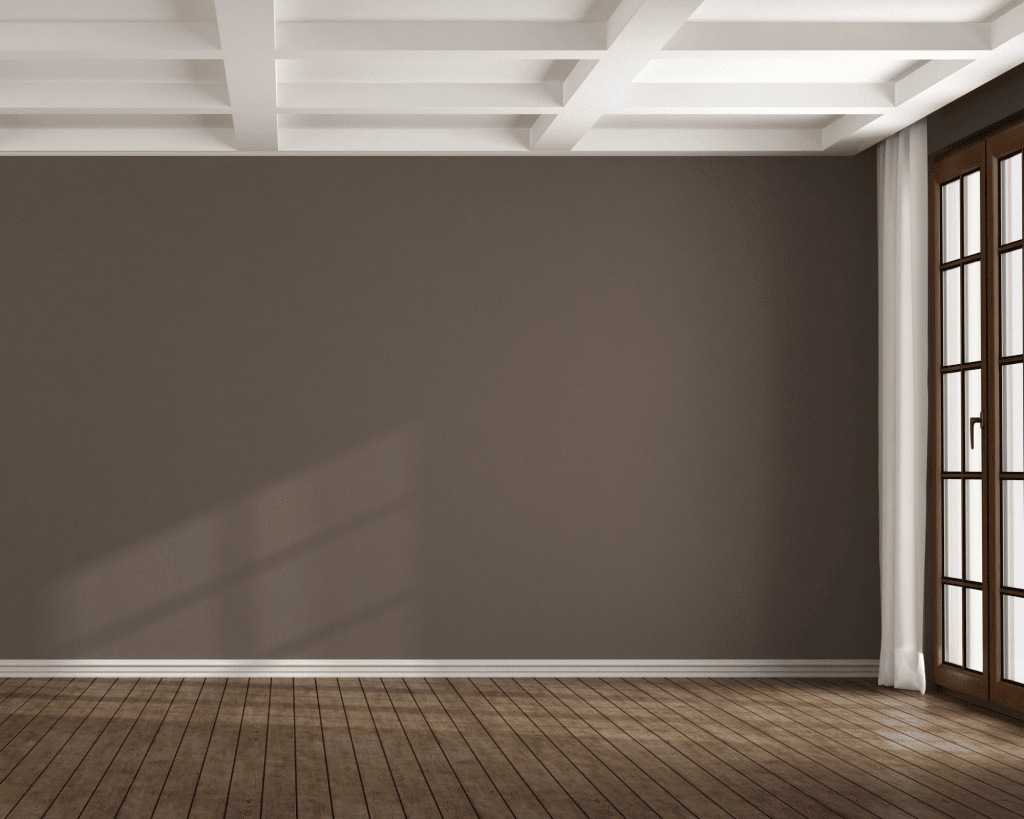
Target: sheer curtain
903	401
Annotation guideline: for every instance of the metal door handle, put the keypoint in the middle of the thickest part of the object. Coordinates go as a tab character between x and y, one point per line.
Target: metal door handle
977	420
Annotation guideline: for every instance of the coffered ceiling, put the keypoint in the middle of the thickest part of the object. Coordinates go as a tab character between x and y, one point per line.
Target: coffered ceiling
488	76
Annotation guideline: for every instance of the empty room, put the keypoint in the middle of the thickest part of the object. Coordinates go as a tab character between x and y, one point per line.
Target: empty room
511	408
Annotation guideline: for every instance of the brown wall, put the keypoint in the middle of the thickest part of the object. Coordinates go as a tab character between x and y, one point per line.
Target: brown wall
424	408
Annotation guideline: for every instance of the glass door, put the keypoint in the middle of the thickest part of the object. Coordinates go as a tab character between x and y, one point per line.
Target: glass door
1006	609
963	382
977	451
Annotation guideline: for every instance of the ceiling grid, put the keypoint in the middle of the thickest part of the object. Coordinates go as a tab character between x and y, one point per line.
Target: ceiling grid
490	77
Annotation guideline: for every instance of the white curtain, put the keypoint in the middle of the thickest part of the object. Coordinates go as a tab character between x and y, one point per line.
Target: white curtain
903	401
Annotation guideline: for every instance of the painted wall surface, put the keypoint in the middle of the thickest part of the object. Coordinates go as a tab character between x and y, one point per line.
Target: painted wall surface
429	408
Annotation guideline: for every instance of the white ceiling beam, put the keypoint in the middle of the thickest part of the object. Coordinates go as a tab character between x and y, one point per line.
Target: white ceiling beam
926	76
701	141
115	139
247	37
910	41
138	41
429	39
637	30
93	98
365	98
404	140
756	98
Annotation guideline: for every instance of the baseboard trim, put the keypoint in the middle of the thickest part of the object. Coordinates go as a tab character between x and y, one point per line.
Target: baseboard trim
438	668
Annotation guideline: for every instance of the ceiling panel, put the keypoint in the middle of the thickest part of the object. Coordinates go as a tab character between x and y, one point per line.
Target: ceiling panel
852	68
868	11
540	77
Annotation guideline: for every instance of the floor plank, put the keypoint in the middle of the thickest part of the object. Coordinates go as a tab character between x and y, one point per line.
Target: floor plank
680	757
49	773
480	748
112	788
313	794
448	792
179	788
209	791
516	794
280	797
382	800
940	774
153	773
545	787
23	736
245	796
620	780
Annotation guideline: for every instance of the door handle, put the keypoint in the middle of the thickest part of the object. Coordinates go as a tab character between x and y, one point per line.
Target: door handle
977	420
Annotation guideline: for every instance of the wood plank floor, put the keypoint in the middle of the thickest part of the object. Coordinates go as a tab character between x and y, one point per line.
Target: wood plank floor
304	748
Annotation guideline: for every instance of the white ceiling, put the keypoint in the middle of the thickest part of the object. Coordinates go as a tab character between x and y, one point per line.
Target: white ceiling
488	76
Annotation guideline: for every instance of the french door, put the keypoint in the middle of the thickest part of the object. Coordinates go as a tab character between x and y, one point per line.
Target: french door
977	406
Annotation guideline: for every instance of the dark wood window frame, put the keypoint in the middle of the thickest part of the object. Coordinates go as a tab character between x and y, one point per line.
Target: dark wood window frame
982	152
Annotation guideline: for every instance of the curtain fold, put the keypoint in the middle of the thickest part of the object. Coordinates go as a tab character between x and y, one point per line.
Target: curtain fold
903	401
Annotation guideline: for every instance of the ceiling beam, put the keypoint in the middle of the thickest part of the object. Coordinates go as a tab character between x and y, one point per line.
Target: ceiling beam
457	141
247	38
422	98
430	39
756	98
637	30
900	41
137	41
120	97
737	141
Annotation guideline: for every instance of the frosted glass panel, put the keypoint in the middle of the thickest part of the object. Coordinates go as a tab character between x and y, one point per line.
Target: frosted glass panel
1013	534
951	316
973	378
1013	638
951	220
1013	303
972	531
972	311
953	629
972	213
1013	415
1009	201
975	632
952	529
952	426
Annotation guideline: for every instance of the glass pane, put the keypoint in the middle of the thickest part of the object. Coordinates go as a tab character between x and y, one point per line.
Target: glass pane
1013	534
1009	200
972	514
953	645
951	220
952	426
972	311
1013	412
975	632
972	213
1013	638
973	411
952	529
1013	305
951	316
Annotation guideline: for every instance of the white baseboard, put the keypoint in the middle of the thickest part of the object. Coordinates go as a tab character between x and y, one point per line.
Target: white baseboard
438	668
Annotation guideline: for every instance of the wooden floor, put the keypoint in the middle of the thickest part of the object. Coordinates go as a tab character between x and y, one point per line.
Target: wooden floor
740	748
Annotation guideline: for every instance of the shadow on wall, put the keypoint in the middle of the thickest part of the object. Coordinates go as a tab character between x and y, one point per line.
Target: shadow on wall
324	558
